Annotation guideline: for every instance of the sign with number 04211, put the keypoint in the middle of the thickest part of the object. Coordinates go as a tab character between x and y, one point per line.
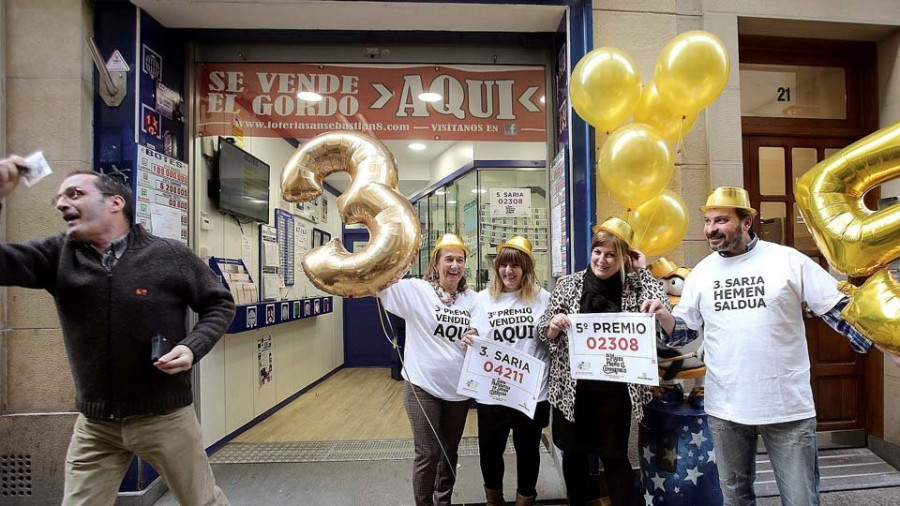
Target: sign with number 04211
617	347
497	374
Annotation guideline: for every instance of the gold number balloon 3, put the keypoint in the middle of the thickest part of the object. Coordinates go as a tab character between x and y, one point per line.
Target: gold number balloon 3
372	199
856	240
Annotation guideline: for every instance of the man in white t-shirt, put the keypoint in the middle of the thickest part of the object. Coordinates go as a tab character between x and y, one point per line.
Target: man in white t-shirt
748	296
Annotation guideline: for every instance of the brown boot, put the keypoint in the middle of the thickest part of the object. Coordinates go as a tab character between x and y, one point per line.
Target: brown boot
603	501
494	497
521	500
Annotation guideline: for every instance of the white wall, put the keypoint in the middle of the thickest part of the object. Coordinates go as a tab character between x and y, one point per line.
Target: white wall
452	159
303	351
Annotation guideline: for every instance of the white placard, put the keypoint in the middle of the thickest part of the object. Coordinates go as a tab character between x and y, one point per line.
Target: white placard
510	202
497	374
264	359
617	347
166	221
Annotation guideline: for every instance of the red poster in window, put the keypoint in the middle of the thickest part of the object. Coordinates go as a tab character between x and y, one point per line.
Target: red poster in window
478	103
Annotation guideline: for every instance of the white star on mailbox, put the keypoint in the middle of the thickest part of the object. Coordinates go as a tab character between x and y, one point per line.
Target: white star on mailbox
693	474
648	454
697	439
659	483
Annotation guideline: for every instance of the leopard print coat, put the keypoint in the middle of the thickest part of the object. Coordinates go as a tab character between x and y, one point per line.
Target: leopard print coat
639	286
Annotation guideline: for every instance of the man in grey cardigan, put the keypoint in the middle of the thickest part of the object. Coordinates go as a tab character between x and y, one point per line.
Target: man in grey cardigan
117	288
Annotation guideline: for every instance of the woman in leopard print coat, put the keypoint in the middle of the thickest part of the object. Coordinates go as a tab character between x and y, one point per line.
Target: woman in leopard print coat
596	422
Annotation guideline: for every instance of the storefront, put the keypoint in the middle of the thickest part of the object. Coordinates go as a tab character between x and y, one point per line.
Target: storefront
181	63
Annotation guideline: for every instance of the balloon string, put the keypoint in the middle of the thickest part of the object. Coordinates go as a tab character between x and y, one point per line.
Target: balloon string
394	345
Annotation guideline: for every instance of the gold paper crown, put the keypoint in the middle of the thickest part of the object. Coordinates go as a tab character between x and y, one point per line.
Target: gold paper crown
518	242
450	241
729	197
617	227
662	266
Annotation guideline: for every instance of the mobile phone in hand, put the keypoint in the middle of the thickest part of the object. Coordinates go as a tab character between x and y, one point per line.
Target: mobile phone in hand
159	346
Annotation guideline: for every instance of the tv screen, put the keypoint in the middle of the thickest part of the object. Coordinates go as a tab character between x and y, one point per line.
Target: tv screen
243	183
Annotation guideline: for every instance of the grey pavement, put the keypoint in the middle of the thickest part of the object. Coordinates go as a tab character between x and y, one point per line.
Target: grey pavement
387	483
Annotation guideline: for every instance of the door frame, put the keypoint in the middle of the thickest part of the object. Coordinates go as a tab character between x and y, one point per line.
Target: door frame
859	60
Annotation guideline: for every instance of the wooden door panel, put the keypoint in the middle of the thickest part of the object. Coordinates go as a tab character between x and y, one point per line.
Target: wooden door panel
837	373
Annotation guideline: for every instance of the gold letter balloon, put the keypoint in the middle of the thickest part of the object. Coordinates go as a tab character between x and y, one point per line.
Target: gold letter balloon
372	199
856	240
691	71
605	87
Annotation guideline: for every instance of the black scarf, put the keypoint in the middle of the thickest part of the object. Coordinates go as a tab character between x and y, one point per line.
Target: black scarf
601	295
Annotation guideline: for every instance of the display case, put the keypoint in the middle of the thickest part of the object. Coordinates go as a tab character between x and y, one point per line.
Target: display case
473	206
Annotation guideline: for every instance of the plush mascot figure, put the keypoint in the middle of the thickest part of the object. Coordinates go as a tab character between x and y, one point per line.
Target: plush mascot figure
678	363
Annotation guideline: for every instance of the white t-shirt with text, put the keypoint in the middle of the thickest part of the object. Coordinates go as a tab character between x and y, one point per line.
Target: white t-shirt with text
432	356
750	308
513	323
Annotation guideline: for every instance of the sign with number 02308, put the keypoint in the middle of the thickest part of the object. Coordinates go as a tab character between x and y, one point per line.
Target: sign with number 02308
617	347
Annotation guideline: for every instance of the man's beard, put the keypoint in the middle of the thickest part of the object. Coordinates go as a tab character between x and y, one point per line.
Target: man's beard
727	245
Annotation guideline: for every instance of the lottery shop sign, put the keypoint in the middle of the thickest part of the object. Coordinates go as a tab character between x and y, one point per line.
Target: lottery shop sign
494	373
478	103
617	347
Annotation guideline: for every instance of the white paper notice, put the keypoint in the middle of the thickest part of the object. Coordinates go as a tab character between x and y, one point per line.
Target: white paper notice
166	221
246	250
617	347
510	202
271	254
270	285
497	374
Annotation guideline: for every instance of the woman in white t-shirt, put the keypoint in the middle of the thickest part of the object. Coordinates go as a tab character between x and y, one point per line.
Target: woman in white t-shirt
437	311
508	312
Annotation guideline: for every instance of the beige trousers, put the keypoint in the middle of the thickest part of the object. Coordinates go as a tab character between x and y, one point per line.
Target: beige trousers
101	450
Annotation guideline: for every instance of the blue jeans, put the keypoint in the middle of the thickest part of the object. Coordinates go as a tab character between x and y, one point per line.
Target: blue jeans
792	451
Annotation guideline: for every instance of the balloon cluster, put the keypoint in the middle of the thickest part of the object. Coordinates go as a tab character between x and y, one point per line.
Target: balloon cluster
637	160
854	239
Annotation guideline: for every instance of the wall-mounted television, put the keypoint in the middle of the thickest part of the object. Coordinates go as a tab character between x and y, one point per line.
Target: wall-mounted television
243	183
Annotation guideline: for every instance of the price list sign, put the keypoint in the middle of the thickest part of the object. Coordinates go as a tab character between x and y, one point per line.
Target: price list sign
617	347
161	197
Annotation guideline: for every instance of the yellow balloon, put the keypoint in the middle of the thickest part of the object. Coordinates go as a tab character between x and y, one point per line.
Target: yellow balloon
659	224
654	111
691	71
604	88
874	309
372	199
854	239
635	164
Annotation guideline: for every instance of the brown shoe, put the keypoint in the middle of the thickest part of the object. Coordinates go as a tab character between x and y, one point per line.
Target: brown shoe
521	500
603	501
494	497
